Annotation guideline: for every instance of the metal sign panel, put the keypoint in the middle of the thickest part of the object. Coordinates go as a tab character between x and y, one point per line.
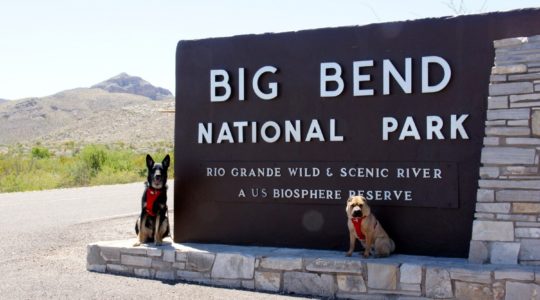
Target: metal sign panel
275	131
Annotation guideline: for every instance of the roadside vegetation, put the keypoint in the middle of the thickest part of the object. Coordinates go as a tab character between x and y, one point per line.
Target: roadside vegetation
40	167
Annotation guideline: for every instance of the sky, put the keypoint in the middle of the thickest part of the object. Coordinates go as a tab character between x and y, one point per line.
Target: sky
50	46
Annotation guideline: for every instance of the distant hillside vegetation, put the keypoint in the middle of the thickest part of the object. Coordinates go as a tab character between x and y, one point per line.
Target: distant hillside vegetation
90	115
124	83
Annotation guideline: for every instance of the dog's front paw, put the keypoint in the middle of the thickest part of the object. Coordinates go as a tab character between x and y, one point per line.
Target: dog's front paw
365	254
158	243
348	253
137	244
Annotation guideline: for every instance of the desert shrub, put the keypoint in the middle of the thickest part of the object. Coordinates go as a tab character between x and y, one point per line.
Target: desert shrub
108	176
40	152
120	160
37	168
79	174
93	156
23	175
9	183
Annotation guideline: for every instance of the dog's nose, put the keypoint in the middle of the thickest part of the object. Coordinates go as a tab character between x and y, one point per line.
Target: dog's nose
158	177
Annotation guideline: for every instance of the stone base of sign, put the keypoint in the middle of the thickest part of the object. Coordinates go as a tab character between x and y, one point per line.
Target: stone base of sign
315	272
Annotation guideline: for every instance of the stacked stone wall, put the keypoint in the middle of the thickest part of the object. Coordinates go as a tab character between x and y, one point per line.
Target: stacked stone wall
507	219
316	272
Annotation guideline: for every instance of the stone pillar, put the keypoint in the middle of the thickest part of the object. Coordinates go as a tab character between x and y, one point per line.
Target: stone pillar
506	228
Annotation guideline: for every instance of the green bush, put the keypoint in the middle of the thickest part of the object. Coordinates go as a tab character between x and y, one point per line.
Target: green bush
39	152
94	157
79	174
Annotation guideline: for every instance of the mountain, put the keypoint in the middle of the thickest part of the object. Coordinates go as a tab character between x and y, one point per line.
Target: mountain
87	115
124	83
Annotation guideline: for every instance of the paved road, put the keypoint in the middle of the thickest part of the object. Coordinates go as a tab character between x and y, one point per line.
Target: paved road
72	206
43	250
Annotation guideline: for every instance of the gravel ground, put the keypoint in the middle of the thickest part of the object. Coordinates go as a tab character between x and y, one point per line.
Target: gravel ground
51	264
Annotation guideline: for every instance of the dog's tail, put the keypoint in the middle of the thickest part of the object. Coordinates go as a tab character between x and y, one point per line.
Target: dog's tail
137	227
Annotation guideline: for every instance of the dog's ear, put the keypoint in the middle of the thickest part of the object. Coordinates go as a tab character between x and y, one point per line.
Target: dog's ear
166	161
149	161
347	206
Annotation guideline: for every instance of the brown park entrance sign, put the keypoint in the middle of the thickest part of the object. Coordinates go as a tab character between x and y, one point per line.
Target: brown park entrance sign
275	131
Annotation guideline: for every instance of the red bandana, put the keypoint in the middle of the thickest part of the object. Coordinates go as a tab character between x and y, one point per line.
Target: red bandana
151	196
357	222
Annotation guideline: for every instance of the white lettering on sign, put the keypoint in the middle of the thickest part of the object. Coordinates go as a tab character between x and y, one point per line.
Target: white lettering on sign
404	83
447	73
219	79
335	77
304	172
273	86
391	182
434	124
306	194
333	84
409	130
456	126
225	134
264	132
215	172
292	132
424	173
389	71
364	172
215	84
384	195
357	78
314	132
269	132
256	172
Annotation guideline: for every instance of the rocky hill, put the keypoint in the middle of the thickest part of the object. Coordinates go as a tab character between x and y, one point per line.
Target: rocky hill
87	115
124	83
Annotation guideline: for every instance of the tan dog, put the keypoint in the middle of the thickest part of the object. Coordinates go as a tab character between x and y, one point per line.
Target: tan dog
364	226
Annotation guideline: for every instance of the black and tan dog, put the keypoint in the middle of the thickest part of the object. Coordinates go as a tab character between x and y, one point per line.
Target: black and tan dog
365	227
153	223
